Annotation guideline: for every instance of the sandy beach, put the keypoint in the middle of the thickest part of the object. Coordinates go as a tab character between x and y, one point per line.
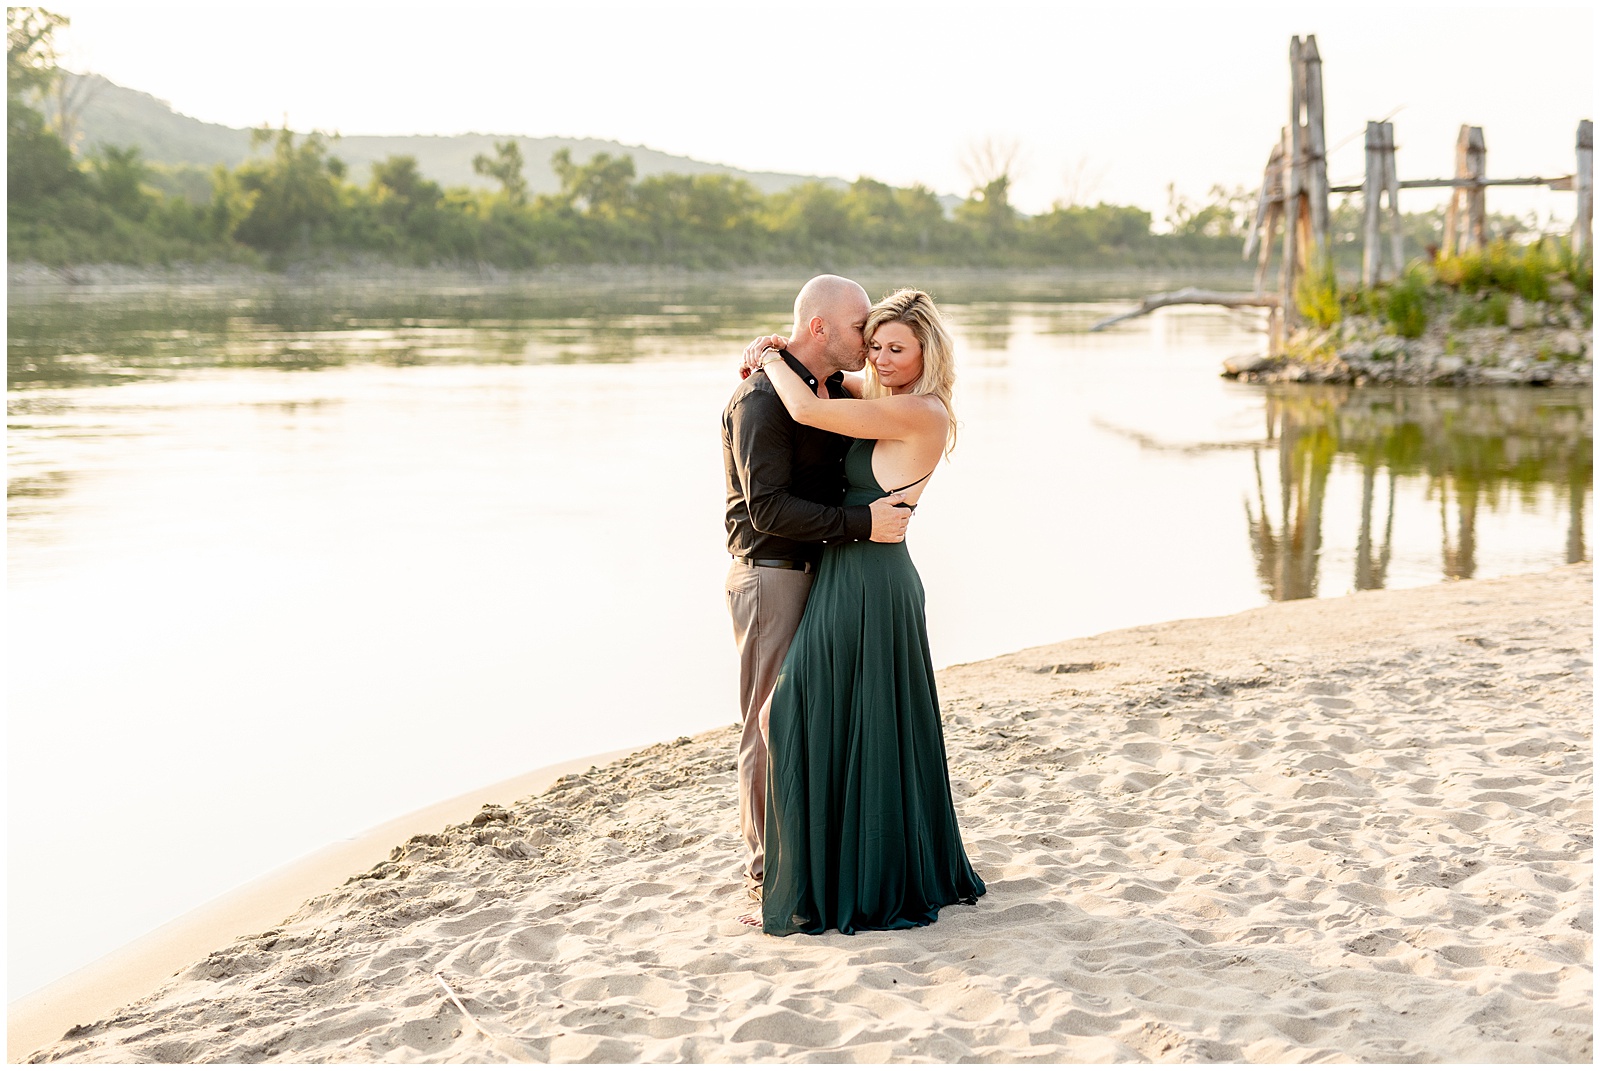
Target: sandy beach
1354	829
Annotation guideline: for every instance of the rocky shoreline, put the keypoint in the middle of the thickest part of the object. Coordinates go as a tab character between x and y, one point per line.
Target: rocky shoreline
1541	344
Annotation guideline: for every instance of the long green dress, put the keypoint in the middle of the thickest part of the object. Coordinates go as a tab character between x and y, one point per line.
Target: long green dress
861	831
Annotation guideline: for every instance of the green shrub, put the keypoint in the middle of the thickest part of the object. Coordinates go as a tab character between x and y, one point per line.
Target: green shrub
1579	268
1316	294
1366	301
1531	275
1466	272
1408	304
1506	268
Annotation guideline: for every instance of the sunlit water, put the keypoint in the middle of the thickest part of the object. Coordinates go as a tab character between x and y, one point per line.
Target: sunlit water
286	564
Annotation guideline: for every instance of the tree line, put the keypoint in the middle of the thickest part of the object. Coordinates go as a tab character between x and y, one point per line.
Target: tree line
294	200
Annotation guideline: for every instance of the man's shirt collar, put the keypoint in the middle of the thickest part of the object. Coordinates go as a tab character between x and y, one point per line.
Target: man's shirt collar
805	373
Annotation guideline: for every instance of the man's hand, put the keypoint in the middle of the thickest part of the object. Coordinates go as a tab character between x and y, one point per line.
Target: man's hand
752	352
890	519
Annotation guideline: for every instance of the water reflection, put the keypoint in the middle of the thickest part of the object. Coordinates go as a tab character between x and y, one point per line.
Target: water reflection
69	337
1476	450
987	325
69	340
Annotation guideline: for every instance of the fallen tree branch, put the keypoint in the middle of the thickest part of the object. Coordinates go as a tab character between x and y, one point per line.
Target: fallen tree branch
1192	296
515	1048
460	1007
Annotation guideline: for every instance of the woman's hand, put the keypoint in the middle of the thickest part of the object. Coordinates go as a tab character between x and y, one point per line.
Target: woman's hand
752	352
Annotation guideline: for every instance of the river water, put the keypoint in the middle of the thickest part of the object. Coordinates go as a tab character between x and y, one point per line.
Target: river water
287	561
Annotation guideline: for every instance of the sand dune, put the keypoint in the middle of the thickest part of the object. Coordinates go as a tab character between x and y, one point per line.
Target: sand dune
1353	829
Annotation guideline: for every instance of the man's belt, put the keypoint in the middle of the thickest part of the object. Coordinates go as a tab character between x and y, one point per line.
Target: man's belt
777	563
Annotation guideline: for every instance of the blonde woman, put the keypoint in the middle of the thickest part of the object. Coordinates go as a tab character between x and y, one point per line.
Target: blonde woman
861	830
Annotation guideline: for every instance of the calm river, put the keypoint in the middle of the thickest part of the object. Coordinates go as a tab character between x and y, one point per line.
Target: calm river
285	563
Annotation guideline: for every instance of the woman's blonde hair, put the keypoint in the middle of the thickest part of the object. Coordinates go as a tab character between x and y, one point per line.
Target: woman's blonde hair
917	311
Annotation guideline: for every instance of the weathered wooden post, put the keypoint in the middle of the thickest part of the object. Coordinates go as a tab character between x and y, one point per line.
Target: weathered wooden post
1391	183
1305	189
1275	217
1269	209
1452	207
1382	181
1583	178
1477	170
1293	193
1466	197
1316	149
1371	188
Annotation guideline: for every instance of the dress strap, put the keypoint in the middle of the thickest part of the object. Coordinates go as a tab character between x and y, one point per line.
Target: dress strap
912	484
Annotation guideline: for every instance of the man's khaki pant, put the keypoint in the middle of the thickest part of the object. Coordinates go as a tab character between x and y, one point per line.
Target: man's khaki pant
766	605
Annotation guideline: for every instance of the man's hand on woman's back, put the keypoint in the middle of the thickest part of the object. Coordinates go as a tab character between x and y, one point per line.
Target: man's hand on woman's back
890	519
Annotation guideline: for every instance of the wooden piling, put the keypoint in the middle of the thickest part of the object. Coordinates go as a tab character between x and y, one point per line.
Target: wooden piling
1371	251
1583	183
1391	184
1293	189
1382	183
1269	210
1452	207
1477	170
1315	148
1464	218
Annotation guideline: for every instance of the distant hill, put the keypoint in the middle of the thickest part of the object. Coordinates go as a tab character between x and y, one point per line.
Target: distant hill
116	115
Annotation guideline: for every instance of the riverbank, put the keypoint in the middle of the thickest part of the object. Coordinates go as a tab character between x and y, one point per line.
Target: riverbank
1064	283
1424	332
1553	354
1354	828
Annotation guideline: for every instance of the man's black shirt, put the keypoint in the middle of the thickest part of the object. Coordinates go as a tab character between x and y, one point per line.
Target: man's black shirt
785	480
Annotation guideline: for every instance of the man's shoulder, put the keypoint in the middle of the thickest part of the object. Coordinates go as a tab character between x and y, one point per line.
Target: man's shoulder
755	396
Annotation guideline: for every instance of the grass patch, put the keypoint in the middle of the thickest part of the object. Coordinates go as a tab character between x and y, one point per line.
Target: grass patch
1485	310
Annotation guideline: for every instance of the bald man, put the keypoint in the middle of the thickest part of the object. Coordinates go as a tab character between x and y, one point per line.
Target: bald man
785	484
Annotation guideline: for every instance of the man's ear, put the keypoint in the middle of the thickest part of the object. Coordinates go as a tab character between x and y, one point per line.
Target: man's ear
816	328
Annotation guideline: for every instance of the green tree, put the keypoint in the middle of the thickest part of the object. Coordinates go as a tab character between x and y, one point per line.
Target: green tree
505	167
991	165
1075	230
598	188
397	181
921	218
39	165
988	212
230	204
812	217
407	208
296	191
31	67
119	177
684	215
1224	216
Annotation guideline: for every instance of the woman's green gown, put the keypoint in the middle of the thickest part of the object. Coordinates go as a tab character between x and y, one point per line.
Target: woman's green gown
861	831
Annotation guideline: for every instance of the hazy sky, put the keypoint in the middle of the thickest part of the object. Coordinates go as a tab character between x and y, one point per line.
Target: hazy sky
1112	101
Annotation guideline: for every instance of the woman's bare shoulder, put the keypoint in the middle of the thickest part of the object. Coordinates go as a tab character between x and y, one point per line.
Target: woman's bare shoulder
929	405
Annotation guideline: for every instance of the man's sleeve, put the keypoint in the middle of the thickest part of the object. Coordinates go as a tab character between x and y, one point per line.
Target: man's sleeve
763	452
